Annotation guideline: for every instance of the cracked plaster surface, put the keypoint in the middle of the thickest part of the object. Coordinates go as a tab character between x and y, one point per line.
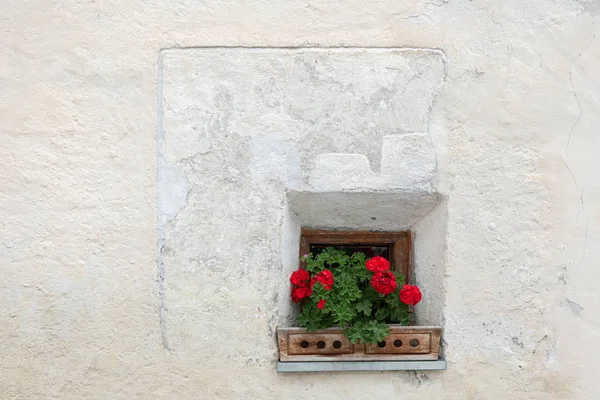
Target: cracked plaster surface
80	294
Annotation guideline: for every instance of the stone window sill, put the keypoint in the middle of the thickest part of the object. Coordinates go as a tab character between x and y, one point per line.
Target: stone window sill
349	366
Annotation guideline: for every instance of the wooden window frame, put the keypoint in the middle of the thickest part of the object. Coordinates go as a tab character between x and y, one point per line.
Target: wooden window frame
399	244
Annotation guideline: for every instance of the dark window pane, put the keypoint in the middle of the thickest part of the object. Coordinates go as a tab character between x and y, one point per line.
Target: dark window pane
369	251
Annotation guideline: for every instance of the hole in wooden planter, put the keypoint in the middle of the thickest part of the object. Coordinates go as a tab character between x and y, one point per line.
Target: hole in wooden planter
414	342
397	343
321	344
304	344
381	344
337	344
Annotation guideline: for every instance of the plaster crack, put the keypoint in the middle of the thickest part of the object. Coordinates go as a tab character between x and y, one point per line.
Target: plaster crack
444	2
418	382
575	123
582	205
416	16
412	78
475	73
568	144
575	93
191	159
167	104
493	17
538	343
585	240
438	94
575	307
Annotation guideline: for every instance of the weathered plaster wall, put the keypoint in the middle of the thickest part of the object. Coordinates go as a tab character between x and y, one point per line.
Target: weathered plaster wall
517	147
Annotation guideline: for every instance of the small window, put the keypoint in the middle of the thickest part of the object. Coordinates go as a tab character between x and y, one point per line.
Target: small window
393	246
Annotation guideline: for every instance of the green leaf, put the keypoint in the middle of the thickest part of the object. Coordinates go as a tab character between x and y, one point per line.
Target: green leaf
312	318
382	314
367	332
399	280
399	314
364	306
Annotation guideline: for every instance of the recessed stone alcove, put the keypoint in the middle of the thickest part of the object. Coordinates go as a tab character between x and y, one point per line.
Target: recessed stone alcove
255	143
340	202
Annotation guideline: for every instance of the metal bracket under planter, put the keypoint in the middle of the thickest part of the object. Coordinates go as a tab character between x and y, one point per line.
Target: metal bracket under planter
405	343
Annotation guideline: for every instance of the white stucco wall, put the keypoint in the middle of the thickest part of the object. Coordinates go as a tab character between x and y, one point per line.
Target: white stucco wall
84	300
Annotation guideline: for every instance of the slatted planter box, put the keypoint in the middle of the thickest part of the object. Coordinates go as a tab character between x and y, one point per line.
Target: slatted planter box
409	343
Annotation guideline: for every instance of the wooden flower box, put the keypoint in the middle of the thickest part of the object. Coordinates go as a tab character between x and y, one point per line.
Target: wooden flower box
404	343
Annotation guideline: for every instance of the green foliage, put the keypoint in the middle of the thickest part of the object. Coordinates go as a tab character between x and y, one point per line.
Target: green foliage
312	318
367	331
352	303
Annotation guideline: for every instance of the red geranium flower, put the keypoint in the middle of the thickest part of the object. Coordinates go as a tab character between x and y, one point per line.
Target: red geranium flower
384	282
300	293
321	304
325	277
300	277
410	295
378	264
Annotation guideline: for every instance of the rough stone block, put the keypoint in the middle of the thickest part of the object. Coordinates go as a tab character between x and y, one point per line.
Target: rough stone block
408	163
334	172
407	160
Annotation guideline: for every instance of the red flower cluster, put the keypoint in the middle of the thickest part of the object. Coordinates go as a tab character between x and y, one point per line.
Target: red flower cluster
410	295
328	301
300	293
325	277
384	282
321	304
300	277
303	284
378	264
301	290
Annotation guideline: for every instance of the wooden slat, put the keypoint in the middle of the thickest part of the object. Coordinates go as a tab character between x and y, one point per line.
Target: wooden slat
304	249
282	341
396	257
407	346
409	258
328	339
436	338
319	236
400	251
